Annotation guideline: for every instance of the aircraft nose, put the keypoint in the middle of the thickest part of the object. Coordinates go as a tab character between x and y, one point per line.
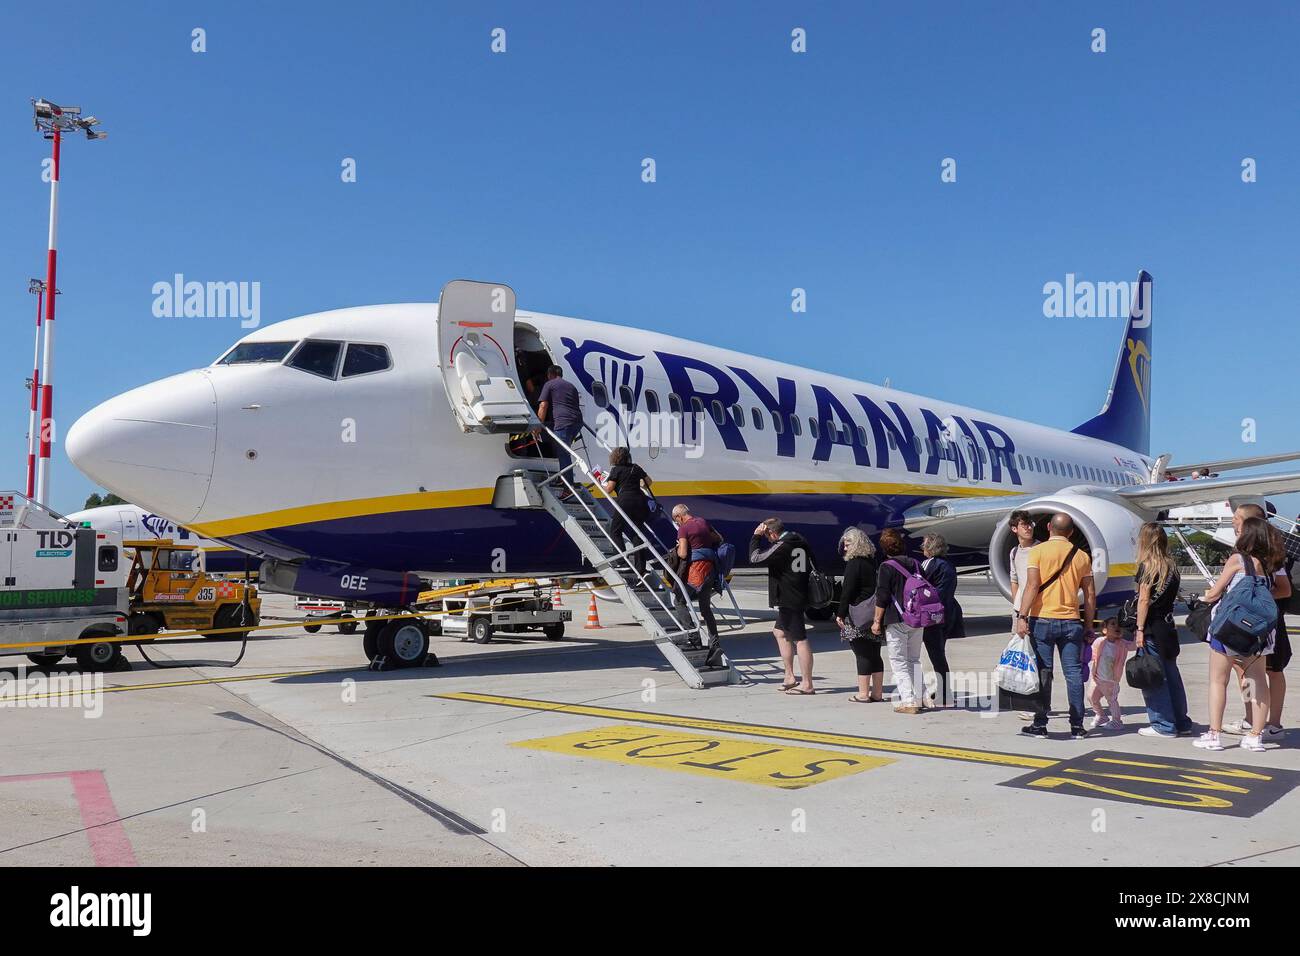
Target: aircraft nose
154	445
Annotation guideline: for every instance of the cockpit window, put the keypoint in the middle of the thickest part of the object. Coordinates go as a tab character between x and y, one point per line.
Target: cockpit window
319	358
256	353
361	359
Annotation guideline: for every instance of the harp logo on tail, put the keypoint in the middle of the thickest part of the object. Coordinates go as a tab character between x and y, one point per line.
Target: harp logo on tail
1139	365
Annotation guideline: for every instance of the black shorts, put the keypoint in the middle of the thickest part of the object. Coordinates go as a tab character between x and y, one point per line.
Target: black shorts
789	621
1281	656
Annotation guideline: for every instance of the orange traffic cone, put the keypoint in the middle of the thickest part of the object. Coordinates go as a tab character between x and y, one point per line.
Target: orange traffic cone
556	600
593	619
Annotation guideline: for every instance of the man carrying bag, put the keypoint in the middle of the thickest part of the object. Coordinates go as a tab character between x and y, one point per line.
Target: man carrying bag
1058	570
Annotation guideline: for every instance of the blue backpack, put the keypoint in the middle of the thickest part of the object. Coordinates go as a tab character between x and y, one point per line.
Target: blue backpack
1246	614
726	558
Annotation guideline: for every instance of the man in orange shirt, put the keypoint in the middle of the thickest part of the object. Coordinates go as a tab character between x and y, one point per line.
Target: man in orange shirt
1058	570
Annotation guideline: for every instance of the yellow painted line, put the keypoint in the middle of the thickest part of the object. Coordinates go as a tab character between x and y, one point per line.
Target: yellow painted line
195	682
708	755
763	730
465	497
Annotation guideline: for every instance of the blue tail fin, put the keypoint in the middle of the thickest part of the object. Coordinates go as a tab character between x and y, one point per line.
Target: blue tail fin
1125	418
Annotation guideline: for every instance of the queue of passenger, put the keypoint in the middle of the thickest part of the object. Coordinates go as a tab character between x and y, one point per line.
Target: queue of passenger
877	615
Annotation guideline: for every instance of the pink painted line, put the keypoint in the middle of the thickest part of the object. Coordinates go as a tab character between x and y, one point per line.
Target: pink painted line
108	841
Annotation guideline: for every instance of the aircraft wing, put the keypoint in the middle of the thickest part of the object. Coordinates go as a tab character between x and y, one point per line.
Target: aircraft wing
969	521
964	521
1229	464
1174	494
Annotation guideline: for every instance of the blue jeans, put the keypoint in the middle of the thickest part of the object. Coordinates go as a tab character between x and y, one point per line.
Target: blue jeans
1167	704
569	434
1067	635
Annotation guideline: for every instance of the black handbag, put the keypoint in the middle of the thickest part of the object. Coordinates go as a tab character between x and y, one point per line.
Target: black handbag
1198	618
1144	670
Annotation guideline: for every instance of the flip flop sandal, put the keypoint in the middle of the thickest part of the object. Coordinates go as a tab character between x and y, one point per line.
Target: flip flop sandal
786	688
799	692
859	699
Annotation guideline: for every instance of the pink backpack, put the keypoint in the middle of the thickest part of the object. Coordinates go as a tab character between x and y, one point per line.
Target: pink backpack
921	605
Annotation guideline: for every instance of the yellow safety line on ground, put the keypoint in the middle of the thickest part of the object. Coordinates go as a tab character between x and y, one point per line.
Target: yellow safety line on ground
179	683
764	730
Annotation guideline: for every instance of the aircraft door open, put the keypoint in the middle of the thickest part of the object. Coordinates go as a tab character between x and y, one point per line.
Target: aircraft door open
476	353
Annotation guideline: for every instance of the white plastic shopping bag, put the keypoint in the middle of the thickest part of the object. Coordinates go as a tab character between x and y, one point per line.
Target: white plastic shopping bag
1017	670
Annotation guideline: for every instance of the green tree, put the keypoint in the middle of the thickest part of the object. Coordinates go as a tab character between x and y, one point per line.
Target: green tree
97	501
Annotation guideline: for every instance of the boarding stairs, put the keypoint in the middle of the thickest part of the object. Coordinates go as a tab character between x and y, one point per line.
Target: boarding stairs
484	394
576	498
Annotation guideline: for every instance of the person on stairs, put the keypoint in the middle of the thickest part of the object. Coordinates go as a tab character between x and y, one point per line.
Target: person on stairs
628	483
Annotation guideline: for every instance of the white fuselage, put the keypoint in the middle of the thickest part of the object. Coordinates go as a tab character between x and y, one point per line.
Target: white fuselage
372	470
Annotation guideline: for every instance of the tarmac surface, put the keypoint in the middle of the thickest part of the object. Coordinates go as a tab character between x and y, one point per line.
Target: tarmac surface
591	751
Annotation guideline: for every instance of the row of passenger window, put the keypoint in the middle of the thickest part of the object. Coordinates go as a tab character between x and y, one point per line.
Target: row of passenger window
317	356
844	435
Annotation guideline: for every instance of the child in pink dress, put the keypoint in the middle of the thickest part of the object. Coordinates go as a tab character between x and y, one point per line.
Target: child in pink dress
1109	652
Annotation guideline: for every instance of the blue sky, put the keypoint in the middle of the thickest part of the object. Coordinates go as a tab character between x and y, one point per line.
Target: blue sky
775	171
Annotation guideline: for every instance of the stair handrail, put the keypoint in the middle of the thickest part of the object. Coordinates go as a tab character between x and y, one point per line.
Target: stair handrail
603	444
634	529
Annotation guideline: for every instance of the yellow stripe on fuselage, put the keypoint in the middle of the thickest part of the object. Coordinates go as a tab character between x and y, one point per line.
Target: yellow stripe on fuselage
468	497
803	487
332	510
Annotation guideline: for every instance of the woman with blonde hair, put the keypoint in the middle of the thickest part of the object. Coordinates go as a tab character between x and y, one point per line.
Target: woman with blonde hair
855	612
1157	586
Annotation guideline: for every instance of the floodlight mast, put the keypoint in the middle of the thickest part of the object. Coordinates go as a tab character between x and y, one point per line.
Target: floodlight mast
37	288
52	121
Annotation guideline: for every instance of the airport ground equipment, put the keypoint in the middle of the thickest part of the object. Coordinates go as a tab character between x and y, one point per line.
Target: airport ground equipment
576	498
169	590
59	583
323	610
478	614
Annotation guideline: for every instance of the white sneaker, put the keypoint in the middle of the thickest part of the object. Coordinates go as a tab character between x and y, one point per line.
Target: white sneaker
1242	729
1207	741
1252	742
1149	731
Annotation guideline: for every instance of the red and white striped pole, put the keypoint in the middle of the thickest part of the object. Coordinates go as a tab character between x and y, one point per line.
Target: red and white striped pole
39	289
46	379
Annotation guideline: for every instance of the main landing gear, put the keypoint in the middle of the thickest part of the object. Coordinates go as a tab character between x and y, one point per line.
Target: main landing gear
398	643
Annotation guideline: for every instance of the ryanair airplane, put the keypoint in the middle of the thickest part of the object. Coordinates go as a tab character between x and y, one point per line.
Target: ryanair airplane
133	523
355	449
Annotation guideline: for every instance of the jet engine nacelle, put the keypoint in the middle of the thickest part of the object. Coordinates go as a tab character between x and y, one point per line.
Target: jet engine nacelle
1109	528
